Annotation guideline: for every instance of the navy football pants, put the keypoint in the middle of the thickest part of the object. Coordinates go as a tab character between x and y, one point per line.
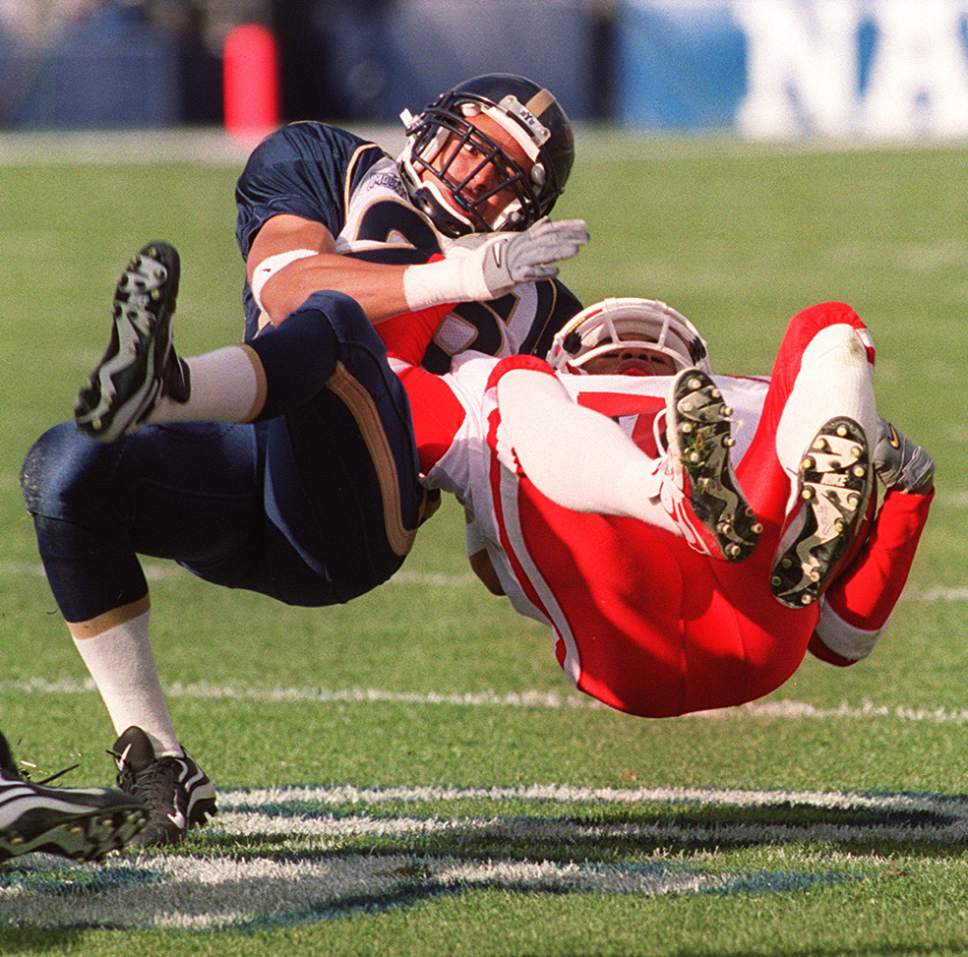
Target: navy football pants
315	503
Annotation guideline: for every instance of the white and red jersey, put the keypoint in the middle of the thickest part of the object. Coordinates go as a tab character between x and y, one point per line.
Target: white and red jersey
637	404
640	620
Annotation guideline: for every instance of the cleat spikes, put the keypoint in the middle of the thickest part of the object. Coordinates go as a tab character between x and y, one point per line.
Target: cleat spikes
833	494
140	364
715	517
83	824
757	528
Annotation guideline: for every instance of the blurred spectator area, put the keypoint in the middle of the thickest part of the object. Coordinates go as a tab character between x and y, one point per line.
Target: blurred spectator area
150	63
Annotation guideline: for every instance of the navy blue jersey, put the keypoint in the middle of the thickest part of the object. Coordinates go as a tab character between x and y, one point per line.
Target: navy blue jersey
351	186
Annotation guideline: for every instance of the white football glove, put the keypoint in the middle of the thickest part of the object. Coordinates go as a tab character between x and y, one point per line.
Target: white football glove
900	463
492	264
483	266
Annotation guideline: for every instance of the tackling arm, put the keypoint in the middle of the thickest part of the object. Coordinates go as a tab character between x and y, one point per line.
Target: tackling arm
293	257
377	287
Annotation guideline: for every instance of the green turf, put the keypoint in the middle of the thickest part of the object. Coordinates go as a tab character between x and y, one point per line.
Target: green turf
736	237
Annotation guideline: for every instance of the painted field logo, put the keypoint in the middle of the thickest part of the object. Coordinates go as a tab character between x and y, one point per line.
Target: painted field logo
299	855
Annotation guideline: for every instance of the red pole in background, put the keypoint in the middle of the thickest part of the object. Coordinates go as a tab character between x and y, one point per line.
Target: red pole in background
250	74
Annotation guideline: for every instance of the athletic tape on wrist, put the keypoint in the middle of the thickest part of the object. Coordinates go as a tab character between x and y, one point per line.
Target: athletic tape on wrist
431	284
271	265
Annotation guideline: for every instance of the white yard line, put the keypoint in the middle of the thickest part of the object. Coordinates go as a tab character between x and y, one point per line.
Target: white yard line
334	864
277	801
783	710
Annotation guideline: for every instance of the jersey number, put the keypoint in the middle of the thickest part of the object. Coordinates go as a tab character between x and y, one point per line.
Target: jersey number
387	221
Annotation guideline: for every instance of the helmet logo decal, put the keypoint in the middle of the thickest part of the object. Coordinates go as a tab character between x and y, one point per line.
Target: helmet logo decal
540	102
697	350
511	104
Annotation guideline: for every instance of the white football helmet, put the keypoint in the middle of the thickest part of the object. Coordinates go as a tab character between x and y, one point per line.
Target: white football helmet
628	336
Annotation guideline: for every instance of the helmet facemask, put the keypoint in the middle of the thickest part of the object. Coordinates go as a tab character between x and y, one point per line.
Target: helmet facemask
435	140
451	127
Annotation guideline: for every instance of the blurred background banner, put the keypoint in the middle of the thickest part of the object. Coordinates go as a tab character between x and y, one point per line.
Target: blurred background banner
774	69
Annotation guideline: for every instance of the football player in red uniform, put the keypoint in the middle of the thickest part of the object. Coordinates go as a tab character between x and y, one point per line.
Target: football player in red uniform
615	506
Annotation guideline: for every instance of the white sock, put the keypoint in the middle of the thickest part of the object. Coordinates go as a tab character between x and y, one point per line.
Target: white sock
227	385
577	457
835	378
122	665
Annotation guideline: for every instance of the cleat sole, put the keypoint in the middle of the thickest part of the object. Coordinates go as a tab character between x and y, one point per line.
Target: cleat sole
700	438
834	496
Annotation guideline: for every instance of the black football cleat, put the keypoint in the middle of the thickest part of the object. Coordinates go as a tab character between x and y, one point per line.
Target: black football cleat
140	363
84	824
836	479
699	437
176	791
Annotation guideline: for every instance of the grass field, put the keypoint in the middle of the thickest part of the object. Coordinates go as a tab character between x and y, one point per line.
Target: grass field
411	774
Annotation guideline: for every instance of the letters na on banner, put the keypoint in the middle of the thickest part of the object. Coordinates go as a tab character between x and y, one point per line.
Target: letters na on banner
807	70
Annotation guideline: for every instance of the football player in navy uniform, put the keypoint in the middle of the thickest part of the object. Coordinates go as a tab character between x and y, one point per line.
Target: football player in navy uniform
458	222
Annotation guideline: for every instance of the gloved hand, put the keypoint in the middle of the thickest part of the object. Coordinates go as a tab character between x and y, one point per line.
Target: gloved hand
483	266
492	264
900	463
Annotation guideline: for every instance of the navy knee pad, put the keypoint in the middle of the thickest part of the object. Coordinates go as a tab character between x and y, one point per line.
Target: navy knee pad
66	476
301	355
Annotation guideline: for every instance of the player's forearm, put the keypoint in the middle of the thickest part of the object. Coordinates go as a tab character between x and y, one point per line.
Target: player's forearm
295	259
377	287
